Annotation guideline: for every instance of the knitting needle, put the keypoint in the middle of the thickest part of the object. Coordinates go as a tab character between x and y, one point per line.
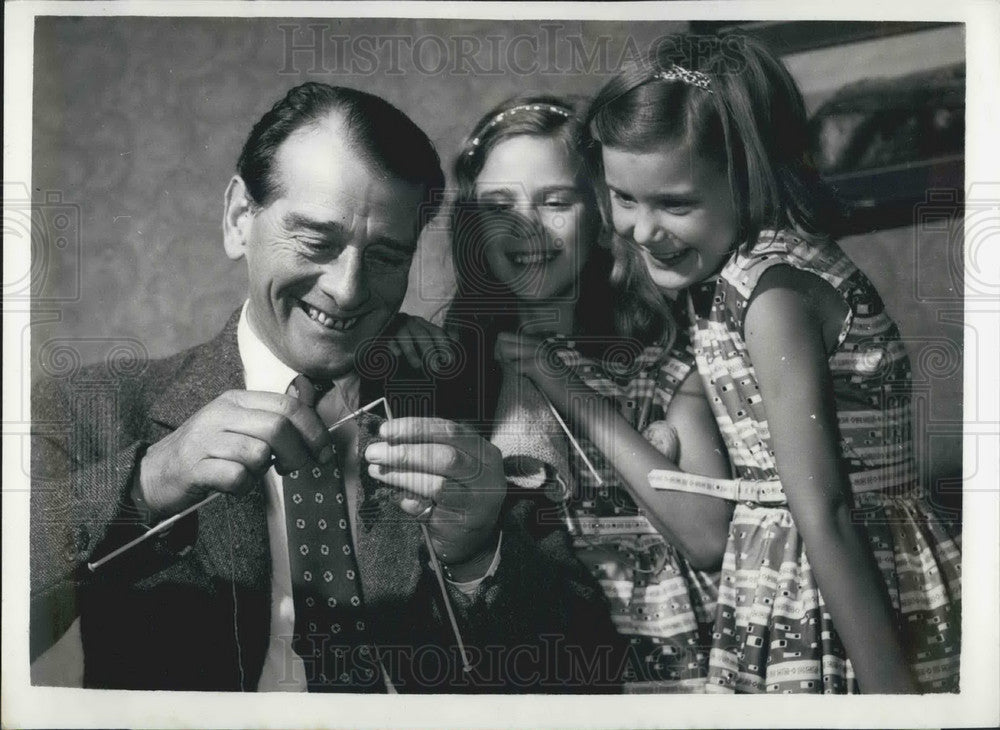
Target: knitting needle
444	594
439	574
362	409
165	524
156	529
572	440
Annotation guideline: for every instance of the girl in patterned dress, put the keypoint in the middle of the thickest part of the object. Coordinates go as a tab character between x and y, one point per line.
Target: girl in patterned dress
661	602
529	271
837	574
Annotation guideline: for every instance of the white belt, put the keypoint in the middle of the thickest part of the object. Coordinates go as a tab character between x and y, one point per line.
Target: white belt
735	490
770	492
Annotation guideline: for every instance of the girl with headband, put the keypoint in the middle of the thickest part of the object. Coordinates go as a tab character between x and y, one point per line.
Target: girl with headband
532	275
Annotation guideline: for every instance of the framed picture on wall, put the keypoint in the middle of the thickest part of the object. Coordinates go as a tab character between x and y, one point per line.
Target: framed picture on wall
886	102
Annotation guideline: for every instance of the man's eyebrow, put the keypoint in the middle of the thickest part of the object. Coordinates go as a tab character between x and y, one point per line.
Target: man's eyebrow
326	228
337	231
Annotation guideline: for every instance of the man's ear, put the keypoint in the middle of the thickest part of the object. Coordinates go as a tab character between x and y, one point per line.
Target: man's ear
236	218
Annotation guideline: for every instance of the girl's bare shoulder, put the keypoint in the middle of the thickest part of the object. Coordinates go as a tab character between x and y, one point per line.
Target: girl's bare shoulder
785	288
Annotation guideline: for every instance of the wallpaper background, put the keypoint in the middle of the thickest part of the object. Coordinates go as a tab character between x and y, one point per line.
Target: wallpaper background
140	121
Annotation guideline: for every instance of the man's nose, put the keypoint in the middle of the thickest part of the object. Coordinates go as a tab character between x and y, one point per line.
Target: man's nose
345	280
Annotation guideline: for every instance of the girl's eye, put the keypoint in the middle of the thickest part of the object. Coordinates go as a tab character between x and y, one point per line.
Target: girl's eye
677	209
557	202
624	201
495	206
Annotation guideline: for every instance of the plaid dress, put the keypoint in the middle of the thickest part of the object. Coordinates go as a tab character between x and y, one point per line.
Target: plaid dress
772	632
662	605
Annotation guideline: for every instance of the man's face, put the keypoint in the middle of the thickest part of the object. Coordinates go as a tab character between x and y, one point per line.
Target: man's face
328	257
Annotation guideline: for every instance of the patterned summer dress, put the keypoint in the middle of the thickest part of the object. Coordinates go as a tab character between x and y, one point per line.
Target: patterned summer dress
772	632
662	605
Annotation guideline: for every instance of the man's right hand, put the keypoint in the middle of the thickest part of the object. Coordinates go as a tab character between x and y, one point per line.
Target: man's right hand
227	446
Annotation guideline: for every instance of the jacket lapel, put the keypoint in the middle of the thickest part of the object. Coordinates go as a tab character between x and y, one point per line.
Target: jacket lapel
388	558
232	531
389	555
206	372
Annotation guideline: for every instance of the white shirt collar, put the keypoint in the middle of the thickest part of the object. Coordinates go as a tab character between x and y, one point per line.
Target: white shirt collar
264	371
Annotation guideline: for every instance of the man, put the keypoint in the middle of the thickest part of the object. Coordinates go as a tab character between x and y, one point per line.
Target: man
331	192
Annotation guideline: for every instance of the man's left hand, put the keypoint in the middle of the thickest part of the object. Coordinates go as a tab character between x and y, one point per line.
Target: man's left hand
448	464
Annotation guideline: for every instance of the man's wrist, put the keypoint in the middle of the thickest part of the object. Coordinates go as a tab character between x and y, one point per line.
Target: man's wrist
142	509
477	565
138	495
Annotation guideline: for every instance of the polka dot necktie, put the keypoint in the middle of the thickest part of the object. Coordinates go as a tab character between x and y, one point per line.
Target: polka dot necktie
331	632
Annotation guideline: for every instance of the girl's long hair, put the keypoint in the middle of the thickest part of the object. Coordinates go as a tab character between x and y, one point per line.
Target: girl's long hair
483	307
750	122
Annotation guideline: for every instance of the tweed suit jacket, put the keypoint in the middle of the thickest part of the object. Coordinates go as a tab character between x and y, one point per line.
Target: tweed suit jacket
191	610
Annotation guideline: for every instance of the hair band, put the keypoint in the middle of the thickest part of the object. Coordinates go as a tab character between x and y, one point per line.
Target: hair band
474	142
679	73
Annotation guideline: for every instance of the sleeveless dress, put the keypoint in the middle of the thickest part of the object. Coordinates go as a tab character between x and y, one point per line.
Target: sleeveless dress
772	632
659	602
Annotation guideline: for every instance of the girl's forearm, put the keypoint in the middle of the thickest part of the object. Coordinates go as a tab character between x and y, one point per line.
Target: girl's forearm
697	525
855	595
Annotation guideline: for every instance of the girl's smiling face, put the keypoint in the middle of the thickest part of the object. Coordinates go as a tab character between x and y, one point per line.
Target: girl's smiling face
676	208
539	220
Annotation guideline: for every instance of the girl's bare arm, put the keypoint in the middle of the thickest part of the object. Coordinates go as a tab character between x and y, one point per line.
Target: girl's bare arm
697	525
785	338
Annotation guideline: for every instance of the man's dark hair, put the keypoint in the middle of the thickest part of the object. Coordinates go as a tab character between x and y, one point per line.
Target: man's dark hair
385	137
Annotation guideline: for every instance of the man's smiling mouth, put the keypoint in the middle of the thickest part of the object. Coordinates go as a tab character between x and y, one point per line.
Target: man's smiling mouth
327	321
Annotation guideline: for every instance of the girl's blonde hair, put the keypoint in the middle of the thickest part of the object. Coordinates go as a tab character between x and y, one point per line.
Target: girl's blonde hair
483	306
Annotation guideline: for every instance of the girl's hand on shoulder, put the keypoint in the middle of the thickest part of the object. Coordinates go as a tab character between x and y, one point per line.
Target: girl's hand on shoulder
536	358
698	445
415	339
521	352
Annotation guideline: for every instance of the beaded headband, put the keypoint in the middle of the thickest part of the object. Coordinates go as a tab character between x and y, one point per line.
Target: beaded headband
679	73
474	142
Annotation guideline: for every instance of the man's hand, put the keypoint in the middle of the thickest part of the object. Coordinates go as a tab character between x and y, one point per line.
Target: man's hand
227	446
432	459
